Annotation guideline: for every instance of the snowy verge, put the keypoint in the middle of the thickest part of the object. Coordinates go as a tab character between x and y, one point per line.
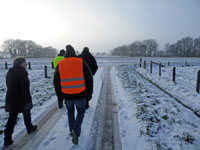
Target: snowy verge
184	89
129	125
163	122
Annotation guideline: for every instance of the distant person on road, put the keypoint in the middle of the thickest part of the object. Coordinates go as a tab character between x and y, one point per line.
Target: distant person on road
18	98
58	58
91	62
73	82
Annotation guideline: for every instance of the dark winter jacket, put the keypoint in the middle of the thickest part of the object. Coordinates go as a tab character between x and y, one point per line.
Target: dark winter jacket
18	94
90	60
88	82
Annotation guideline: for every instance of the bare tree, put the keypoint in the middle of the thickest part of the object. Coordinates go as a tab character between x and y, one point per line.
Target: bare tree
197	46
8	46
152	47
27	48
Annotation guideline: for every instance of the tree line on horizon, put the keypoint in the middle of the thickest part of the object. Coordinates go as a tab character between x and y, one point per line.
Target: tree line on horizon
186	47
30	49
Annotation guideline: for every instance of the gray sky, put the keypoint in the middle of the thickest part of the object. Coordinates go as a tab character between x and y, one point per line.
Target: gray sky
99	24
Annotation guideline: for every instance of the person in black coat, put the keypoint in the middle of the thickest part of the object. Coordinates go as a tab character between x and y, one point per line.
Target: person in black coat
89	59
73	99
91	62
18	98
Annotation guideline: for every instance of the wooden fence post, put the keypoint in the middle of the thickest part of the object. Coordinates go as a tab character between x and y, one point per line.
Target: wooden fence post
29	65
159	69
45	71
140	62
174	73
6	65
198	81
168	63
145	64
151	67
186	63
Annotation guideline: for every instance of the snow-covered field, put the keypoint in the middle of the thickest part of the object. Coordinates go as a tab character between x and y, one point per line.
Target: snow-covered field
148	118
163	122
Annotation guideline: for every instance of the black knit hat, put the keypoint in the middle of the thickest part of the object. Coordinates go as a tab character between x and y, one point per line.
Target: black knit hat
70	52
62	52
85	49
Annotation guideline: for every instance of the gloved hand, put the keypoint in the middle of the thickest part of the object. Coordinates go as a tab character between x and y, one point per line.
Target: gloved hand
1	131
87	104
89	97
60	104
28	106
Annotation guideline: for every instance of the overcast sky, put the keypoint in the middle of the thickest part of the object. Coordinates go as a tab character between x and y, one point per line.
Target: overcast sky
99	24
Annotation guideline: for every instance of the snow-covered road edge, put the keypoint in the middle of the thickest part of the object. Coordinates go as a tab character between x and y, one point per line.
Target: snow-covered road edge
129	132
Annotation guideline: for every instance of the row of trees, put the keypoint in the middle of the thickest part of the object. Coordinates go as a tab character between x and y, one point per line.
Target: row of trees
28	48
186	47
138	48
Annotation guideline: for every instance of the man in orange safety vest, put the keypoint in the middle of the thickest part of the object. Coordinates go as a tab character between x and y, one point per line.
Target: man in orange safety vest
74	83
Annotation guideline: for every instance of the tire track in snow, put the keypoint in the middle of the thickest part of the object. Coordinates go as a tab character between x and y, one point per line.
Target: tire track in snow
45	124
107	130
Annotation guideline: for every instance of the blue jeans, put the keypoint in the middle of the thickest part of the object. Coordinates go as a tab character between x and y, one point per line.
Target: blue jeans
75	124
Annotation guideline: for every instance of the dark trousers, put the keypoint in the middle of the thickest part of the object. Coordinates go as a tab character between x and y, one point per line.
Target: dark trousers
12	121
75	124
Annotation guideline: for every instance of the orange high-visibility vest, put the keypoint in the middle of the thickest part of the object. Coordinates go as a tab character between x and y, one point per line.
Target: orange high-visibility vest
71	75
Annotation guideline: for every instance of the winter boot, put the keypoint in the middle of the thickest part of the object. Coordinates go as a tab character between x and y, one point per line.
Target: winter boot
74	138
32	129
8	142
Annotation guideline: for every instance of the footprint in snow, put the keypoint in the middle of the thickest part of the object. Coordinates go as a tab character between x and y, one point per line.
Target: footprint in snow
48	142
76	147
68	137
6	148
123	133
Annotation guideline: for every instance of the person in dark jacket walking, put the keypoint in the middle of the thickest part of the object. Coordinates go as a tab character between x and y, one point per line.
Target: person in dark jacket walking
18	98
91	62
58	58
73	81
89	59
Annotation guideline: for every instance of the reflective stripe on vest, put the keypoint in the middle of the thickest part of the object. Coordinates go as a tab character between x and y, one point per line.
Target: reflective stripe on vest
71	75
